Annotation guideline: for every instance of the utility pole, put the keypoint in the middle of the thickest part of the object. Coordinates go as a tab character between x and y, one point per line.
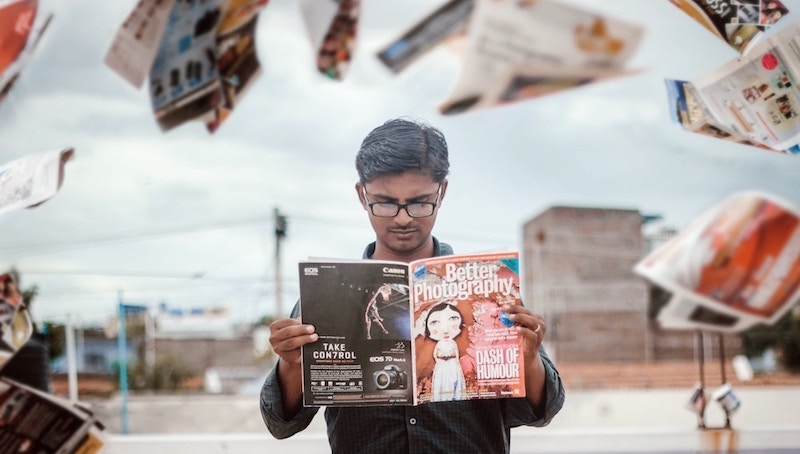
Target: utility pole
280	234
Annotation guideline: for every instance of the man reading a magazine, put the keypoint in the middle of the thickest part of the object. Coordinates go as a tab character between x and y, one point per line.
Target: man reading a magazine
402	167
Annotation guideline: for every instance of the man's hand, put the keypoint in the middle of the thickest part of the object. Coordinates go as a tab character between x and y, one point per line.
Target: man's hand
287	336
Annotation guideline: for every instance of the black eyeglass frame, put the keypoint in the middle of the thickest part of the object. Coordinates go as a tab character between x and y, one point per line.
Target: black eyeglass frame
404	206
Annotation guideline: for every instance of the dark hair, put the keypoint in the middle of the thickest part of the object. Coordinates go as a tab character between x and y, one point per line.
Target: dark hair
440	307
401	145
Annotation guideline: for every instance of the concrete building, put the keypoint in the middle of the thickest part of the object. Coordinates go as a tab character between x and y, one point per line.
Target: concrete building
577	264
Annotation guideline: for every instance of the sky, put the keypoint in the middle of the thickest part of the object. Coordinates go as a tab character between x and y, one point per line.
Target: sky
186	218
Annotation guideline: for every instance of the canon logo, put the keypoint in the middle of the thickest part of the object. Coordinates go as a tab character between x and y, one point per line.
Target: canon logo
386	269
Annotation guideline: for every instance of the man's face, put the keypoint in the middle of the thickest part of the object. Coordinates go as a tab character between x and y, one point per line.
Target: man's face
401	237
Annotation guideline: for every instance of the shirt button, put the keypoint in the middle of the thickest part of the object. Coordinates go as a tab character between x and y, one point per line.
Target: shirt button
412	421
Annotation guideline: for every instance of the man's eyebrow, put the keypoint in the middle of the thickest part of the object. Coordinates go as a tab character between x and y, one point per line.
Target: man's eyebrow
385	198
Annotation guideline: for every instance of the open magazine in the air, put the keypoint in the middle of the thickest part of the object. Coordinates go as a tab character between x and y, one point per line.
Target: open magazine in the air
37	422
31	180
22	24
392	333
689	112
740	23
735	266
548	45
199	57
755	96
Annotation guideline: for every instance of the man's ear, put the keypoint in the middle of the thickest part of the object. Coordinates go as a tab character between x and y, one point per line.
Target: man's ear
360	192
444	189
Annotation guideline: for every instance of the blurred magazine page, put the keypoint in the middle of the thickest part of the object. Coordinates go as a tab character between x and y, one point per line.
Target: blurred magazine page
737	22
528	81
445	22
237	59
756	94
15	328
184	79
332	26
688	111
31	180
136	42
34	421
504	34
22	24
741	259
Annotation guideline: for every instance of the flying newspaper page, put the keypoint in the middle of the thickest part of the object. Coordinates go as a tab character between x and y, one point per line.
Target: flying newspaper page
447	22
690	112
22	24
136	42
237	59
31	180
509	41
740	23
15	320
755	96
735	266
184	78
332	26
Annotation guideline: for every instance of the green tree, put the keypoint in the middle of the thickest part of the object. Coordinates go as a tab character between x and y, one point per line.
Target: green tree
783	336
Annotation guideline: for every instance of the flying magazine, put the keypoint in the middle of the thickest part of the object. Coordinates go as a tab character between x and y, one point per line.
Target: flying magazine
393	333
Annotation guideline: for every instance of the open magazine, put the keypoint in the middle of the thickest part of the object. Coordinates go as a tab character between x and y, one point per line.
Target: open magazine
740	23
735	266
22	24
446	22
690	113
31	180
755	96
392	333
37	422
332	27
509	41
199	57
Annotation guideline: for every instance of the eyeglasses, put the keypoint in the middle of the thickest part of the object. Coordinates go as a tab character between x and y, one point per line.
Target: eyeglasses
414	209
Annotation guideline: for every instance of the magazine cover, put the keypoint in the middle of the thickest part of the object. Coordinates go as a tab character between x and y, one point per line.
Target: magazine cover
736	266
387	337
465	347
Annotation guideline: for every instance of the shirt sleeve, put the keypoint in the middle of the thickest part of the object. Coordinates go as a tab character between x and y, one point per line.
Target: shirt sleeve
520	413
272	410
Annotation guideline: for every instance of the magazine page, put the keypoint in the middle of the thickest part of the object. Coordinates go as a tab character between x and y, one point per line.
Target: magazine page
184	79
31	180
33	421
137	40
504	34
529	81
446	21
689	112
22	24
735	266
756	95
332	27
740	23
360	310
237	62
16	327
465	347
